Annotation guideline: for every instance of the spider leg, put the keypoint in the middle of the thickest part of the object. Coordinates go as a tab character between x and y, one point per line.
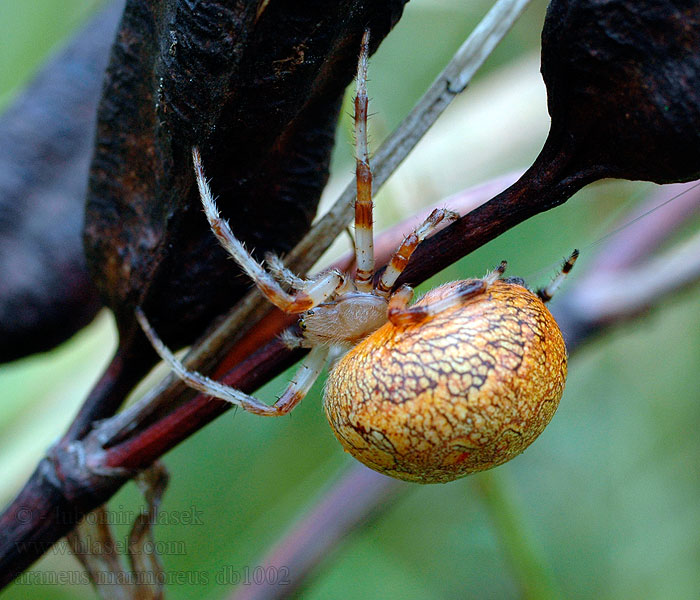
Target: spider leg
546	293
364	242
301	383
313	294
400	314
286	277
276	267
402	255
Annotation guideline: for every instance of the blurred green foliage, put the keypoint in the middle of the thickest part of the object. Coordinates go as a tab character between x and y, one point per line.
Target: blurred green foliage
603	505
29	31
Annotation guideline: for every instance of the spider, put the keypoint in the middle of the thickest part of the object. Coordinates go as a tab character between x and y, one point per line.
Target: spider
460	381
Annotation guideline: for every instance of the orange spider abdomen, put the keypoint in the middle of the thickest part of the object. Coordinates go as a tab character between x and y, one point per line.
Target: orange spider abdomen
465	390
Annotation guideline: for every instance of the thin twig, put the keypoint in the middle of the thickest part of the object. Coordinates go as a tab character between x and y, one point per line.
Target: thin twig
615	296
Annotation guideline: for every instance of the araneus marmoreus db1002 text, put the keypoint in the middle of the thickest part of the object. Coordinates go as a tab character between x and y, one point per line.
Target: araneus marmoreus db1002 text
460	381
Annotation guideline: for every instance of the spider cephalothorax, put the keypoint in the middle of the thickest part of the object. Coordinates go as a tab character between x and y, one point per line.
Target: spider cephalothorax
460	381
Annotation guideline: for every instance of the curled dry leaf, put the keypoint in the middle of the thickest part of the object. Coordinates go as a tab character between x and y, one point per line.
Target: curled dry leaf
623	85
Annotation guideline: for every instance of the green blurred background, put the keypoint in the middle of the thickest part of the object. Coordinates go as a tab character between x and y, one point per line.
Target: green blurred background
606	500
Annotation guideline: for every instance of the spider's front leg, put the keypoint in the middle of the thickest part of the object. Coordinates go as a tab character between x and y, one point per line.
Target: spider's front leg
281	273
304	378
364	237
312	293
403	254
400	313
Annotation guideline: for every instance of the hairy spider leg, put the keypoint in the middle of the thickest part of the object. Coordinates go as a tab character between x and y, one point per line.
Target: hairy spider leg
400	314
402	255
364	240
312	293
281	273
547	293
304	378
285	276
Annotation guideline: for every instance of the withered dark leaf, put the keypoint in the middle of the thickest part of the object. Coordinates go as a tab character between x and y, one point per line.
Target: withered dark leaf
623	86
